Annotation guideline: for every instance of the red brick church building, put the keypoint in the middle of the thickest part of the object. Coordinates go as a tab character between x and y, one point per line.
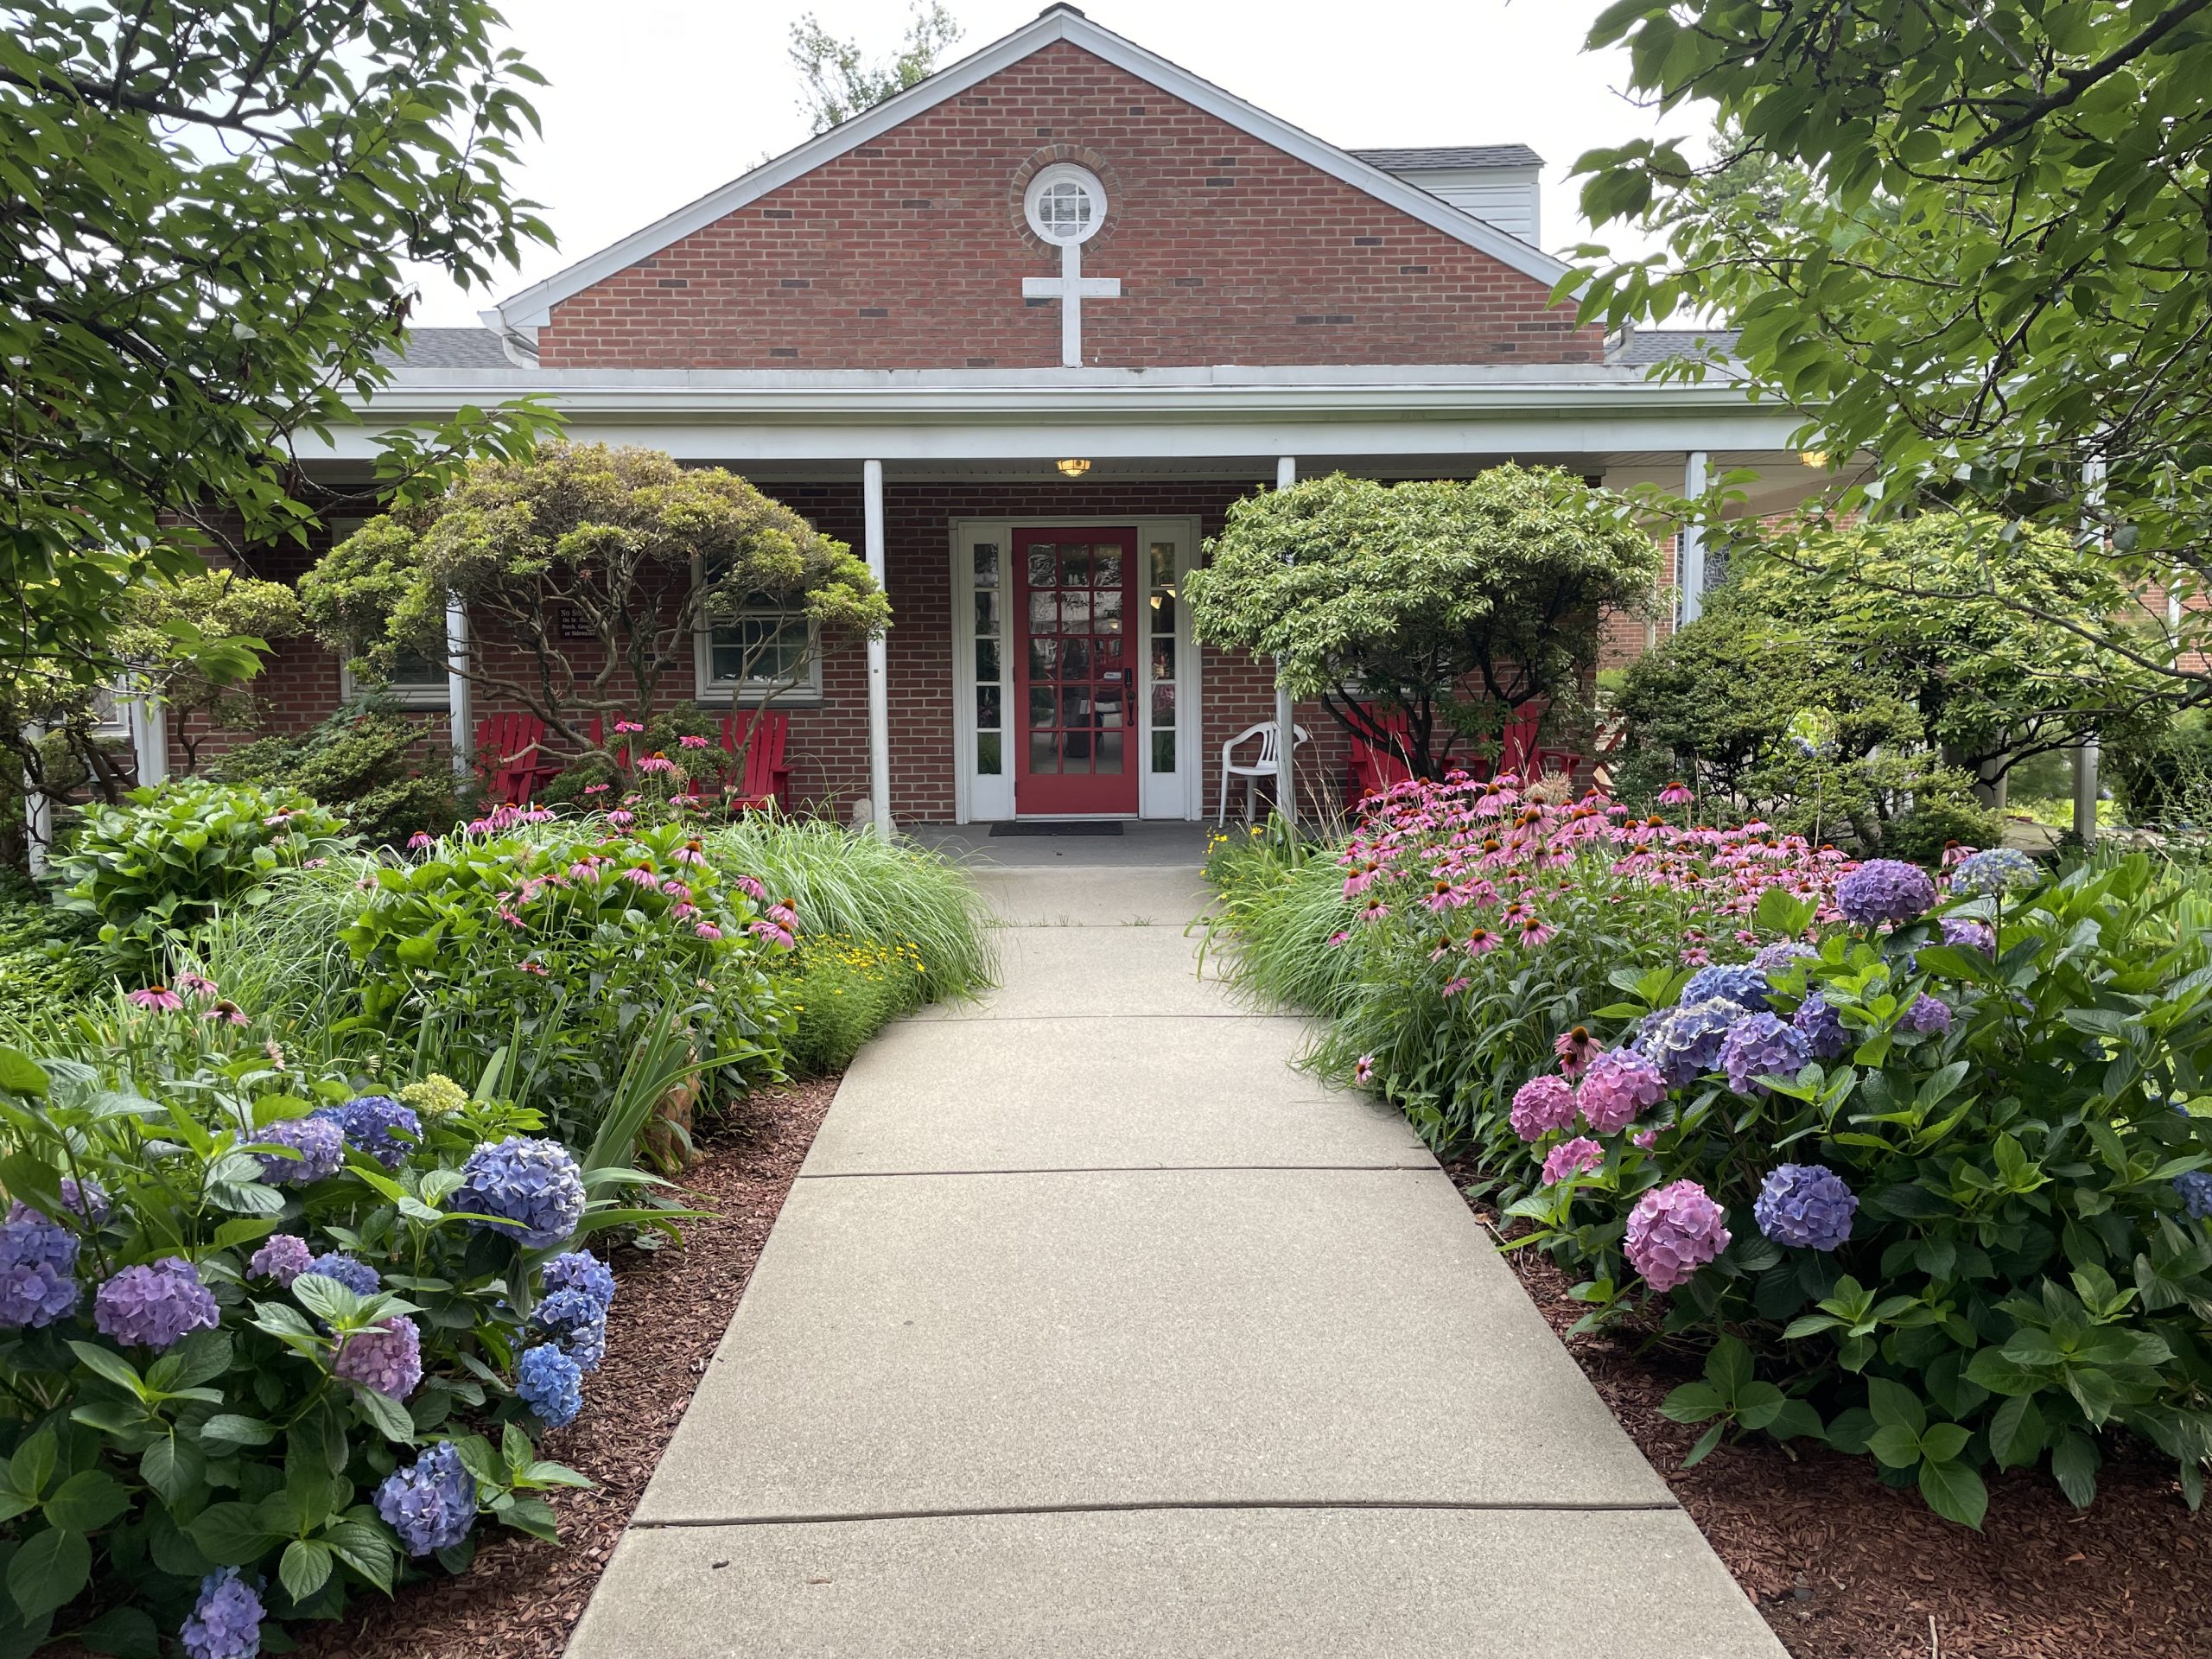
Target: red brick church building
1021	333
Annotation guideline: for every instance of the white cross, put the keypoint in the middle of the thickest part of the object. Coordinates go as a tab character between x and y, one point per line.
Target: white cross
1070	288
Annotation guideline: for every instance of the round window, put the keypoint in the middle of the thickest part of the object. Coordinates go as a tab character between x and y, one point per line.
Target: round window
1065	204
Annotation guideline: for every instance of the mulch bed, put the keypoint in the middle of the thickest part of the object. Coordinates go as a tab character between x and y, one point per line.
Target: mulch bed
522	1598
1845	1567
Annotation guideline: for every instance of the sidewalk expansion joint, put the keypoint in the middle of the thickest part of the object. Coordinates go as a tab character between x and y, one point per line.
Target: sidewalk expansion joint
1497	1507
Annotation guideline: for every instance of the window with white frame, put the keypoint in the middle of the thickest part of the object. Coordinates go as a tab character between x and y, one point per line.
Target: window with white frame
418	679
765	649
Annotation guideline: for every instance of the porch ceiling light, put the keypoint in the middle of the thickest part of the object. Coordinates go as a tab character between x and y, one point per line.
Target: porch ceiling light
1073	469
1813	457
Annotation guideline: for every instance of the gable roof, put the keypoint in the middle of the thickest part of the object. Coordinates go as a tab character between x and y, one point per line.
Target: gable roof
525	313
1435	159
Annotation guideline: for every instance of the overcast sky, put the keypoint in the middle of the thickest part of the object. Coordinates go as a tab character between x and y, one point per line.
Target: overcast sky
654	103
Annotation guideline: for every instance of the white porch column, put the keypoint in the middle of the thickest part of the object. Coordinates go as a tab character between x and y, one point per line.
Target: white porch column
879	660
1689	544
2085	755
459	706
1286	723
150	738
38	812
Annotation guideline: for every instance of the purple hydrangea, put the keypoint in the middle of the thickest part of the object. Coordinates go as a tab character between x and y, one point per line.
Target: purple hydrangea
1672	1231
1619	1084
87	1200
549	1383
154	1305
1543	1103
1994	871
1805	1205
1928	1015
1684	1042
432	1504
1886	890
1572	1158
580	1270
386	1357
226	1622
283	1258
1774	958
1739	982
1969	934
2195	1186
587	1345
1760	1045
357	1276
38	1270
317	1140
1822	1027
533	1187
368	1122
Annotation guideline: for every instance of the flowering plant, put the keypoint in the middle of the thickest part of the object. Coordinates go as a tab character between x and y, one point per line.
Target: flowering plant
557	940
1933	1188
241	1377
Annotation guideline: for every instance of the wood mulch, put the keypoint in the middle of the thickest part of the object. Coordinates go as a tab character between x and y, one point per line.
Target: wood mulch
1845	1567
523	1597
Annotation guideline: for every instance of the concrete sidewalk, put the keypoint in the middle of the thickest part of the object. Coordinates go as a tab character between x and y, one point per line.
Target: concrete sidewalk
1092	1328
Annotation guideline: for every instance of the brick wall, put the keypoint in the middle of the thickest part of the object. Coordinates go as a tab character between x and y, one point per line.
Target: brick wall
909	252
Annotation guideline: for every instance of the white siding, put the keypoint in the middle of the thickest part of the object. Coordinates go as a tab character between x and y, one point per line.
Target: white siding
1504	196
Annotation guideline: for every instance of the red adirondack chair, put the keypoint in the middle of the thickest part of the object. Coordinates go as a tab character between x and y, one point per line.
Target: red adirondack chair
760	737
511	755
1371	770
1521	754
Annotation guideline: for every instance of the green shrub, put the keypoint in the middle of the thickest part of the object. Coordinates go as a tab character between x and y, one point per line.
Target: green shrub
847	990
2162	771
2028	1263
166	861
254	1429
561	943
45	958
384	771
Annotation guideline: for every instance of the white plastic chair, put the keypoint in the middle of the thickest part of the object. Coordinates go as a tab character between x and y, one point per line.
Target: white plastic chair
1268	763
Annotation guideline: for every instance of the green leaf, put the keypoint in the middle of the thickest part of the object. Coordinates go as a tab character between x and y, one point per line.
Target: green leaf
231	1534
1896	1445
533	1515
49	1571
1796	1420
1705	1444
2016	1433
2074	1461
1944	1442
174	1467
1693	1403
304	1568
365	1548
32	1466
229	1429
1954	1491
86	1502
22	1075
385	1415
1893	1402
124	1632
1993	1370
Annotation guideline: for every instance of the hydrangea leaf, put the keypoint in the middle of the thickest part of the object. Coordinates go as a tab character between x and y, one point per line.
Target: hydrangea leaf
1954	1491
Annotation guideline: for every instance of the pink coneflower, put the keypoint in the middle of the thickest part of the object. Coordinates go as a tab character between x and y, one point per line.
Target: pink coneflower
1696	957
536	814
1535	931
686	802
1575	1049
597	788
1339	937
658	762
750	887
481	826
1453	988
642	876
773	934
537	967
690	740
784	916
620	819
685	913
692	853
1482	942
675	889
419	842
1374	911
196	985
313	863
229	1011
1362	1069
707	931
1956	853
627	727
158	996
512	920
1677	793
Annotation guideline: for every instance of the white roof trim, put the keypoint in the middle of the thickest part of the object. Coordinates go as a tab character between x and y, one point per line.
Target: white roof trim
526	313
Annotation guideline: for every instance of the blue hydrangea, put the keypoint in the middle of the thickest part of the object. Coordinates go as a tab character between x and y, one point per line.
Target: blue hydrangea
356	1275
368	1122
226	1622
1995	871
1967	934
1822	1027
1774	958
549	1383
533	1187
566	1311
87	1200
317	1140
430	1505
580	1270
587	1345
1684	1042
154	1305
2195	1186
38	1270
1807	1206
1928	1015
1886	890
1760	1045
1739	982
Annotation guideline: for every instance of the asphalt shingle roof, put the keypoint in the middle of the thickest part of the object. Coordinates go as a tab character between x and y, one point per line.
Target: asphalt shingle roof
1644	346
450	348
1418	161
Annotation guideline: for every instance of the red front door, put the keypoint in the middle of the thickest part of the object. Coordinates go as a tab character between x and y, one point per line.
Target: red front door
1077	751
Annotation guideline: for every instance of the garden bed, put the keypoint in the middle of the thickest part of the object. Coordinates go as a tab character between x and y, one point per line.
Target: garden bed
522	1597
1845	1567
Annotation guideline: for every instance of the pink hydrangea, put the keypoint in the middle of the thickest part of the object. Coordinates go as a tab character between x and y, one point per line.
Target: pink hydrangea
1543	1104
1572	1158
1672	1231
1619	1084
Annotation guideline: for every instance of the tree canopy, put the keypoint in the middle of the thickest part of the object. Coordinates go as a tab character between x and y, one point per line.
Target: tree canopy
840	80
1447	603
215	210
588	574
1987	270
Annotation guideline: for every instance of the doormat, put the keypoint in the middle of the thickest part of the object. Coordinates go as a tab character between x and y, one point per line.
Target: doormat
1071	827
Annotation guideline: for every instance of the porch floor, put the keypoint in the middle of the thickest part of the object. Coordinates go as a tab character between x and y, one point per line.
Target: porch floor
1158	842
1092	1326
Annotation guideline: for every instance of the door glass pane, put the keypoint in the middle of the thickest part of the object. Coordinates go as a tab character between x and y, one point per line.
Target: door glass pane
986	659
1162	610
1107	614
1107	567
1041	756
1075	566
1163	703
987	613
1075	705
1041	565
1075	611
1075	659
1040	705
1163	657
987	564
987	706
1109	752
1162	559
1163	749
987	754
1044	613
1043	654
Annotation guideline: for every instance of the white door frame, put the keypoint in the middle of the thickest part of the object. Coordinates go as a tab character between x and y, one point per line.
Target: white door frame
1181	794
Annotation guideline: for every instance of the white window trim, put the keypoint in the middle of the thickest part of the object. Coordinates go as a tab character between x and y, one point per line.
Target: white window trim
712	693
1064	173
1179	794
414	694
